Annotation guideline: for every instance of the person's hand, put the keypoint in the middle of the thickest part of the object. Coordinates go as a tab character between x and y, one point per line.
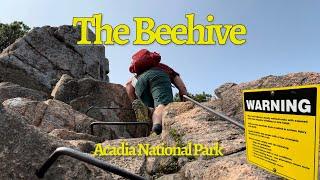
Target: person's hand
181	93
130	90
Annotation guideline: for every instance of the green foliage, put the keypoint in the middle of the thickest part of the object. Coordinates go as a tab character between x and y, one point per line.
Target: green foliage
10	32
202	97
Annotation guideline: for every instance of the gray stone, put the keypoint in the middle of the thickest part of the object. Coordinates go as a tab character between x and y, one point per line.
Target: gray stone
234	166
83	145
71	135
171	177
183	123
159	165
53	114
9	90
39	59
231	98
135	164
223	88
84	93
24	149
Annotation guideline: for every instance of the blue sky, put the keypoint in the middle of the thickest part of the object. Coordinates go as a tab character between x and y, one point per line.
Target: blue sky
282	37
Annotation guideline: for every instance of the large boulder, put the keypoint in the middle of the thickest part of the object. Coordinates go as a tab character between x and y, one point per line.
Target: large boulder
71	135
53	114
231	94
184	122
24	149
84	93
38	59
231	167
135	164
150	167
223	88
9	90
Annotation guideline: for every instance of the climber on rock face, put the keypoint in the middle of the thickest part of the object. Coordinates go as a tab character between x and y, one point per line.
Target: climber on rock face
152	86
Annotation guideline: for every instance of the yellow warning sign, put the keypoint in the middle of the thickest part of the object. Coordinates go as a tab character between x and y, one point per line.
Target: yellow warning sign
282	130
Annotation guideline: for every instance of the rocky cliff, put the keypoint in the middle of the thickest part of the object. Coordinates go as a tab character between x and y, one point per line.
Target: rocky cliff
39	59
50	90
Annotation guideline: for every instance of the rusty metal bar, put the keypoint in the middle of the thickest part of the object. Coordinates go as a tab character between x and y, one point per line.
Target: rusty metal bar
240	125
119	124
85	158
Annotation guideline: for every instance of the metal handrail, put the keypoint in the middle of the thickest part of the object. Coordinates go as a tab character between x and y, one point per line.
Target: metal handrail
216	113
114	123
85	158
119	124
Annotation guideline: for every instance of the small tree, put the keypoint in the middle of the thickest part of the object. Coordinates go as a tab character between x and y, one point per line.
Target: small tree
202	97
10	32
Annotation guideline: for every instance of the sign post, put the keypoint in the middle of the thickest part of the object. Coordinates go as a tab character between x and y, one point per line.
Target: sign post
282	130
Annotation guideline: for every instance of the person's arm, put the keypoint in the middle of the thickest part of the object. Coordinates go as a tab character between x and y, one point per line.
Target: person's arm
177	81
130	90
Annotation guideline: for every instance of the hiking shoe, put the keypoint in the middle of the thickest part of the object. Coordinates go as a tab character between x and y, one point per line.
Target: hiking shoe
141	111
157	128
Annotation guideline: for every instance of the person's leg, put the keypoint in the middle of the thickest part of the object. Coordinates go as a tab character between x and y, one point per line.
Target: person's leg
142	89
145	101
157	119
154	90
162	95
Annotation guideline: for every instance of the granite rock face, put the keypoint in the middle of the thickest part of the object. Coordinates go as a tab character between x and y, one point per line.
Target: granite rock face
39	59
231	94
24	149
230	167
135	164
183	123
109	102
53	114
72	135
47	60
9	90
